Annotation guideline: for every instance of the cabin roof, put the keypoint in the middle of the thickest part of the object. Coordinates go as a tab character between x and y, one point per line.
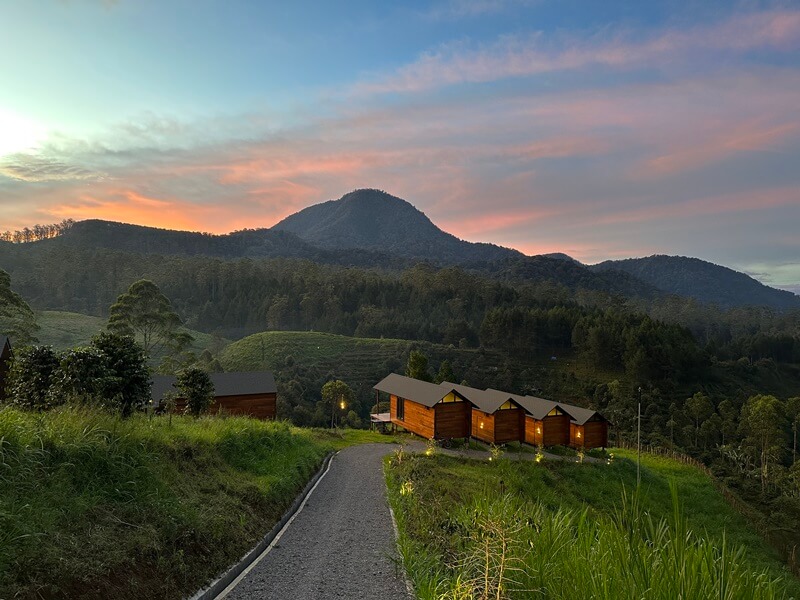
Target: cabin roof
536	407
5	342
225	384
422	392
488	400
580	415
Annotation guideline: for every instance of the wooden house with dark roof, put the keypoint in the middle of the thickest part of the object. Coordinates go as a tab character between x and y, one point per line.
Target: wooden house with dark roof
5	364
427	409
546	422
252	394
588	428
497	417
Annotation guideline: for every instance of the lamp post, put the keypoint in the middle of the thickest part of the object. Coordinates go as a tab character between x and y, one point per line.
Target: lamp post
639	441
342	405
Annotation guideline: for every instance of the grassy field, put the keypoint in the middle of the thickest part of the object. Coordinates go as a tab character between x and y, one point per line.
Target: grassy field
95	507
507	529
64	330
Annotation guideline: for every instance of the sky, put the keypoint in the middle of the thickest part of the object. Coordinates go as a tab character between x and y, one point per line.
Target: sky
604	130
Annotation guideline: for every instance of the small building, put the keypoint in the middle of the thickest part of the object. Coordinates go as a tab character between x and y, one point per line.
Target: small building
588	428
546	422
5	364
497	417
427	409
251	394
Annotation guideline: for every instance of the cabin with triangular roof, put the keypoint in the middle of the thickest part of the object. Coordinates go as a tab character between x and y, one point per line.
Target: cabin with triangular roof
438	412
588	428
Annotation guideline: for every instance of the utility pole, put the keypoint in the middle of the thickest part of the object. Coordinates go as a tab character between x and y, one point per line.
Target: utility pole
639	441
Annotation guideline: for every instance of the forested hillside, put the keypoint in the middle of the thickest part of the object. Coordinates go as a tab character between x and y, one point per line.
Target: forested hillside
704	281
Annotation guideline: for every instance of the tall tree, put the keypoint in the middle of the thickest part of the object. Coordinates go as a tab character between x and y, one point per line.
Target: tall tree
417	366
793	412
762	427
17	320
337	397
145	313
699	408
445	372
196	386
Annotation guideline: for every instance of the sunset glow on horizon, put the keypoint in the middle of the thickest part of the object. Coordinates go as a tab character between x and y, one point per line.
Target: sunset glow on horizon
600	130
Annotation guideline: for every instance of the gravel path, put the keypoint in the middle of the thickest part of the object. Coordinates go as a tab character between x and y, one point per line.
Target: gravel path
342	544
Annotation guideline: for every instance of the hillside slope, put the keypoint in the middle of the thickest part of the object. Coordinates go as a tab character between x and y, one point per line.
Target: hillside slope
374	220
574	530
704	281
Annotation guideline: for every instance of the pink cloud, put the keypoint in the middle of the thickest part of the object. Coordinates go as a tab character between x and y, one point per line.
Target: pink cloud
513	57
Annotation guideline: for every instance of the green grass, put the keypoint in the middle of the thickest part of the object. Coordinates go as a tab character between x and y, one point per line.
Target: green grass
92	506
575	530
64	330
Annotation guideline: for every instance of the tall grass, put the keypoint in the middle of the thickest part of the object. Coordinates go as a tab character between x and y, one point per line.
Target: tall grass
93	506
488	545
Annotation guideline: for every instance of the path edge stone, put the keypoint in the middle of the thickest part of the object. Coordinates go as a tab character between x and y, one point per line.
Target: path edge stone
218	585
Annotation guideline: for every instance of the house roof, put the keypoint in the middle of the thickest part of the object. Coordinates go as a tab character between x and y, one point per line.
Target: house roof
488	400
422	392
538	408
4	342
580	415
225	384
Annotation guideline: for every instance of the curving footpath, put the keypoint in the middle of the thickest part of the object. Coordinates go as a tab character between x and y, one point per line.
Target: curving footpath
341	545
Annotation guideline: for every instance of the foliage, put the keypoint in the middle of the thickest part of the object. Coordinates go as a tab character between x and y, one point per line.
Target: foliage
196	386
130	378
566	530
337	396
138	508
417	366
445	373
31	377
17	320
761	426
143	311
84	377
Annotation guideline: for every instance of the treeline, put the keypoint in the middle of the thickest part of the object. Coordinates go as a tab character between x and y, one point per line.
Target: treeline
37	232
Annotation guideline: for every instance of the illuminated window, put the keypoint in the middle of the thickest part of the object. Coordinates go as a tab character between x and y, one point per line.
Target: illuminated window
508	405
554	413
451	397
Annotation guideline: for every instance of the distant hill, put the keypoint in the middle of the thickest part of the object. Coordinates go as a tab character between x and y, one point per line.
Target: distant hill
374	220
702	280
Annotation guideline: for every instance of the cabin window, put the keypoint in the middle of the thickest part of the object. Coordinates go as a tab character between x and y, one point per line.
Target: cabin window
554	413
401	408
451	397
508	405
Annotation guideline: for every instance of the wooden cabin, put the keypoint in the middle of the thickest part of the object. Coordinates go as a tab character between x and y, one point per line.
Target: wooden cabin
588	428
497	418
5	364
429	410
546	422
251	394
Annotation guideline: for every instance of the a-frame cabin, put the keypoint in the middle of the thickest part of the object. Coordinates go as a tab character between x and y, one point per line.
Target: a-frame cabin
427	409
546	422
588	428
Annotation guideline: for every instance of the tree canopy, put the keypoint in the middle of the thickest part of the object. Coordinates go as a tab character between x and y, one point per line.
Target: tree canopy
146	314
17	320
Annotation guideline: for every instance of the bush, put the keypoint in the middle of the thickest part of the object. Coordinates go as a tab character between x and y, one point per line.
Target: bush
31	377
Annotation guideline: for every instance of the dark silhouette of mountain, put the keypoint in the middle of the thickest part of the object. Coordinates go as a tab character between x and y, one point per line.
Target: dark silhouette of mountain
704	281
561	256
252	243
374	220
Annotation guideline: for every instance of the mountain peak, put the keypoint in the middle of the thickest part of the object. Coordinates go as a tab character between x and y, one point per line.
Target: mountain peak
375	220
